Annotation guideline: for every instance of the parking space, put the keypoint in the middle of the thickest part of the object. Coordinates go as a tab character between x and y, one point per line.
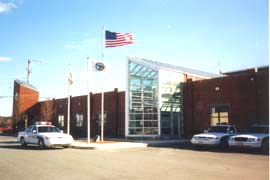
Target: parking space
178	162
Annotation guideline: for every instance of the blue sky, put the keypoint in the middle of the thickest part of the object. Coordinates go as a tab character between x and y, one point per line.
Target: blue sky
209	35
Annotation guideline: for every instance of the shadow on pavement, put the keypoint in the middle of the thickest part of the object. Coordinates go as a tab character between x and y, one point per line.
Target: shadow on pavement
189	146
8	134
17	146
35	148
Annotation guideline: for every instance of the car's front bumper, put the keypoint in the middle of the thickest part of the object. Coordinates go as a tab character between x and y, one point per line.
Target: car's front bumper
205	142
244	144
58	142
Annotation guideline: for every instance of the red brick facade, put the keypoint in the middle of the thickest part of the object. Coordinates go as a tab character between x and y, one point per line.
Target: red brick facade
114	106
25	96
246	94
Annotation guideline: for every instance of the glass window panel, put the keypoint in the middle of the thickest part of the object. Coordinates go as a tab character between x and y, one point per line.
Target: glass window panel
136	104
150	131
61	120
226	114
135	131
150	123
165	116
79	120
135	88
143	98
150	102
141	71
135	81
150	116
136	110
150	109
224	120
135	123
165	124
214	115
135	116
165	130
214	121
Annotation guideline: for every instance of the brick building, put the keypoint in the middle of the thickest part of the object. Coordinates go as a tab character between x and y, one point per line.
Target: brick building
25	96
56	111
240	98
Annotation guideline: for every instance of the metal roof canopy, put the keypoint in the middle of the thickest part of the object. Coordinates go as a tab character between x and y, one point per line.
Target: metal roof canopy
158	65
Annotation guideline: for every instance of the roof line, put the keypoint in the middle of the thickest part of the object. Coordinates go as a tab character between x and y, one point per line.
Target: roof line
181	69
246	69
23	83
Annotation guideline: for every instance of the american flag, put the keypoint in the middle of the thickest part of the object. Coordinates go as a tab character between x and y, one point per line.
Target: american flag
114	39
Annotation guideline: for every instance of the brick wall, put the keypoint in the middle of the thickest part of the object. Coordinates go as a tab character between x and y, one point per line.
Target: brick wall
246	95
24	99
114	108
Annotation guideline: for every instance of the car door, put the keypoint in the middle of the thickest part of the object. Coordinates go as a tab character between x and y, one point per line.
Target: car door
33	135
27	134
232	130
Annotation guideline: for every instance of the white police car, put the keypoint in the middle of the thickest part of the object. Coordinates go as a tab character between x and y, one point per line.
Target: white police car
44	135
257	136
215	136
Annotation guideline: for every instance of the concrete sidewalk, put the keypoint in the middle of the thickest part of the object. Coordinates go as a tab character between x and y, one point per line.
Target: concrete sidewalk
111	144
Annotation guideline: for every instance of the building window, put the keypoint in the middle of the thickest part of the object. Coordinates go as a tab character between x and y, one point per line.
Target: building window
219	115
79	120
142	100
171	103
61	120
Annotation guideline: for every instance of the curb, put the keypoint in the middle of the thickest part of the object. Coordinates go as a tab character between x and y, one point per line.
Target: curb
125	145
94	146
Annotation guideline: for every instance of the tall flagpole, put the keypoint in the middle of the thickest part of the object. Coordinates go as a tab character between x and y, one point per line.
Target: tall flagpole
102	93
88	104
68	108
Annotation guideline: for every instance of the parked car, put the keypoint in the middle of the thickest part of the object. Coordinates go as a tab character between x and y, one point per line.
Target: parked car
5	129
215	136
44	135
257	136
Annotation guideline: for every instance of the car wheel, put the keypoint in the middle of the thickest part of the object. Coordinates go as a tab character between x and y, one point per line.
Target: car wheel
67	146
197	147
23	143
41	143
265	146
223	144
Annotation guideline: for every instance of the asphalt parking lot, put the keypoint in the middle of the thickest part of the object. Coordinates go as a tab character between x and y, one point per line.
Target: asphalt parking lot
177	162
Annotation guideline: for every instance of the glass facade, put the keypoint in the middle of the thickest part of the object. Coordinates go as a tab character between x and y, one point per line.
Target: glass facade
154	98
142	100
154	101
171	106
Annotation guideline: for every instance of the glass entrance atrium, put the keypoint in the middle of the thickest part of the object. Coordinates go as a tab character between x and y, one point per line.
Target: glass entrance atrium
154	98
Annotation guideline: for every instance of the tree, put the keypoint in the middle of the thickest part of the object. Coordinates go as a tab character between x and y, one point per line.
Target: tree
46	110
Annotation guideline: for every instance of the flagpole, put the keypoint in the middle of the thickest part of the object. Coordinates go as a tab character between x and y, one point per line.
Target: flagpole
102	93
68	111
88	104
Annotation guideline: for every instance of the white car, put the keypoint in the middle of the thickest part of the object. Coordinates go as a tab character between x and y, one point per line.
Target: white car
44	136
215	136
257	136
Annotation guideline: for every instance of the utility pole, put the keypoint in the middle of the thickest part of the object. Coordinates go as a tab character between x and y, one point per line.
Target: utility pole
28	70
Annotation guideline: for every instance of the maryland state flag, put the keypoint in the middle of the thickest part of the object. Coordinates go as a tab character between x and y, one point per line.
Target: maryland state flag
70	79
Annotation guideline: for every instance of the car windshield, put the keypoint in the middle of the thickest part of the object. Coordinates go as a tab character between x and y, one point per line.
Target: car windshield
48	129
219	129
258	129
